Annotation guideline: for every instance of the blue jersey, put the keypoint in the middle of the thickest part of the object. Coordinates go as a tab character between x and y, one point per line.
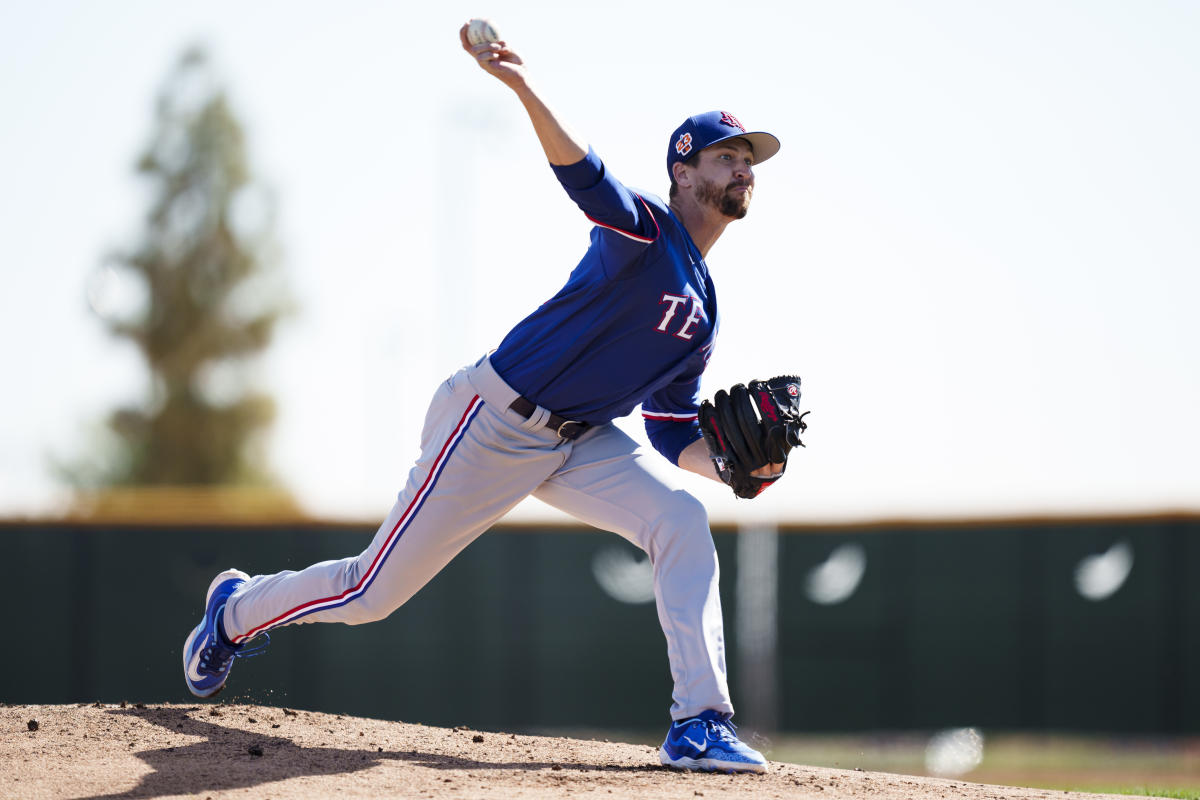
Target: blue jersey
635	322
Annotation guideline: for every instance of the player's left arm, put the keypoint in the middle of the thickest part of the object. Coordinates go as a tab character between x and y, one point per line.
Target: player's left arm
671	416
676	435
750	430
695	458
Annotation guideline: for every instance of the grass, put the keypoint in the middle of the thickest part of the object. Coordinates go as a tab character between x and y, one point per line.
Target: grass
1154	767
1143	766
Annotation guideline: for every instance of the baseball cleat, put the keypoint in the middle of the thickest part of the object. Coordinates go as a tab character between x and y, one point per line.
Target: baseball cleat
709	743
207	654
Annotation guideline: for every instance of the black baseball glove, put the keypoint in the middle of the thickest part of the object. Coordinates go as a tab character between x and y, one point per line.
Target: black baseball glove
751	426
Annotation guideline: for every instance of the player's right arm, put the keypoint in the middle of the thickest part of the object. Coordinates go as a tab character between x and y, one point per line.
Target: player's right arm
562	145
628	223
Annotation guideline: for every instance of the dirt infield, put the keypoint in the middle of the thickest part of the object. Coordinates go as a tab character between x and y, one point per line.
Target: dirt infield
216	751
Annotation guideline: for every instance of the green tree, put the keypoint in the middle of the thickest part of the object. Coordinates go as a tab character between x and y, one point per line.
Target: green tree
210	299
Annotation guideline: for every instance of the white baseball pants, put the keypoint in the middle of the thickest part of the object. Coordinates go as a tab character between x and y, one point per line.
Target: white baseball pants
478	460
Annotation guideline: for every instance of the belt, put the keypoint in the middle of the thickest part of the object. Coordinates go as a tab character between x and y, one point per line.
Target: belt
566	428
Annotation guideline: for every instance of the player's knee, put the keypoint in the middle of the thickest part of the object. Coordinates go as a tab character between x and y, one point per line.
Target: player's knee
369	612
371	605
682	518
691	512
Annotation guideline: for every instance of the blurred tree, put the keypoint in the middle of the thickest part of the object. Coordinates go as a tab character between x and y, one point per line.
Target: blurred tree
209	300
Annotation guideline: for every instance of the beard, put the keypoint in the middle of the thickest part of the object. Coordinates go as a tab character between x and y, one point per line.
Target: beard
724	200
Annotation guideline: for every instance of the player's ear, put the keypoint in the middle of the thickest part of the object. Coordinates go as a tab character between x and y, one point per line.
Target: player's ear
682	174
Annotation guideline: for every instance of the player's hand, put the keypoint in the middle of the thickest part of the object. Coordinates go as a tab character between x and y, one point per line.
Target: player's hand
497	59
768	471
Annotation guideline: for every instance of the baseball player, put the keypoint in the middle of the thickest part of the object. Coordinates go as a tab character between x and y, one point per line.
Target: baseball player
634	324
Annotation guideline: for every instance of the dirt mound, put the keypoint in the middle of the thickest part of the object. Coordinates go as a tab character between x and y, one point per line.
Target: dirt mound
215	750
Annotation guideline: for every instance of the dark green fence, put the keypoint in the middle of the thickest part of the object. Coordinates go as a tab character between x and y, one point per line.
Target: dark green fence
1088	626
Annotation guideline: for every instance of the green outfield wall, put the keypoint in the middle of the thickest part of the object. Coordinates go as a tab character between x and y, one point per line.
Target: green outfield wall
1065	626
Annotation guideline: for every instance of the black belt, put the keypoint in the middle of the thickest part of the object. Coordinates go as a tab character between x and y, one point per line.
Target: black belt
566	428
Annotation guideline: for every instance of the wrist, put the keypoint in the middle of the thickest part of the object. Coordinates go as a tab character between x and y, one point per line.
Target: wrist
524	90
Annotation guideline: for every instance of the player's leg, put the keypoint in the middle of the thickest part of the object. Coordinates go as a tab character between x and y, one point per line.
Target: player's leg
477	461
605	484
473	468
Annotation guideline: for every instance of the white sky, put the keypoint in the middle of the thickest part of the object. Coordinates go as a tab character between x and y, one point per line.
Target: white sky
978	245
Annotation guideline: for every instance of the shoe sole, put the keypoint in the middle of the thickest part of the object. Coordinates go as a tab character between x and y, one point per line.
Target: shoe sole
707	764
187	645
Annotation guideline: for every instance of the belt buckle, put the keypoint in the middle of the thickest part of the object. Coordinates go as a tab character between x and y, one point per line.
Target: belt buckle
560	433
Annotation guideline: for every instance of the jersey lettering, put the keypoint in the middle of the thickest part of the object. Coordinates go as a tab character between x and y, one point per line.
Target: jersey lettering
674	300
686	331
692	319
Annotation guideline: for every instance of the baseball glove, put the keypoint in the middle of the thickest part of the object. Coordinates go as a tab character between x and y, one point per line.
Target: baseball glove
751	426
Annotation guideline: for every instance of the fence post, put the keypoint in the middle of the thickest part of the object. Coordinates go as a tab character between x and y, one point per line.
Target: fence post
757	632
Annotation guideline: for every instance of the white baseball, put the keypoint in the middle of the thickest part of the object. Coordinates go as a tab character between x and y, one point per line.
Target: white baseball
480	31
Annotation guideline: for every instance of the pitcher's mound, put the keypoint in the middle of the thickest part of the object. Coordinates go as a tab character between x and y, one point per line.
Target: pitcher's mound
215	750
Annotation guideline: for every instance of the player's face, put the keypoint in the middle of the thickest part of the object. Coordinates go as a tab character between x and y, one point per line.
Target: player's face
725	177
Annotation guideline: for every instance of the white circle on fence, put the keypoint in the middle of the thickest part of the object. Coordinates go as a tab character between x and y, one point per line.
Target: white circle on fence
623	576
1100	575
837	578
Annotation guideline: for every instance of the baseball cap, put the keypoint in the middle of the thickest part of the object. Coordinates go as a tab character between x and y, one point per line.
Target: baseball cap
705	130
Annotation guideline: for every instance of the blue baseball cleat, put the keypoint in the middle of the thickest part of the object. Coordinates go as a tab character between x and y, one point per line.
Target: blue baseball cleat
207	654
709	742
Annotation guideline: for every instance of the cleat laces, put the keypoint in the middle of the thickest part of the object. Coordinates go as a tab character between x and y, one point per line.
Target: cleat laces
216	656
250	652
720	730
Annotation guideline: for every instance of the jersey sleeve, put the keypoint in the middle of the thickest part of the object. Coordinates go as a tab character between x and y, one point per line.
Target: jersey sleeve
672	417
625	224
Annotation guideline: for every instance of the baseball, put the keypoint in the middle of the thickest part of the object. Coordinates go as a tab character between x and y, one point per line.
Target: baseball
480	31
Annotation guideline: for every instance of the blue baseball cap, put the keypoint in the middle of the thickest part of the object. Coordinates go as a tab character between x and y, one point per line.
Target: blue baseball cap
705	130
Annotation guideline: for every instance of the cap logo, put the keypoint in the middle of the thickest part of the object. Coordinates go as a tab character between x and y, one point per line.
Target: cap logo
683	145
731	121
